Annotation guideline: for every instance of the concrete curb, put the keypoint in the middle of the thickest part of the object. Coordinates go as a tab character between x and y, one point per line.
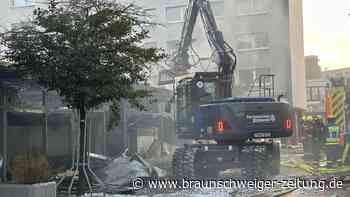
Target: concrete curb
34	190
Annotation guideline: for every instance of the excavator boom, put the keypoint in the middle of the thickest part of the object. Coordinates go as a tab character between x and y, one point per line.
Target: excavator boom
224	55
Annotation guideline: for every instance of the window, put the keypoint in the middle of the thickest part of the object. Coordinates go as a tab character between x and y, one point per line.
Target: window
151	14
244	42
259	6
252	41
249	76
246	78
244	59
208	92
260	40
313	94
148	45
175	14
174	30
218	8
266	82
243	6
22	3
151	28
247	7
165	77
182	104
172	46
262	71
308	94
254	59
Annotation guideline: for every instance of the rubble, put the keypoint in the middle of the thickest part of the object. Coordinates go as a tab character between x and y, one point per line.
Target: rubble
124	169
98	161
118	174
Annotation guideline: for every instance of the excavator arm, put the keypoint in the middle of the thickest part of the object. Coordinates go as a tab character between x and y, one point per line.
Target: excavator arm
182	57
223	53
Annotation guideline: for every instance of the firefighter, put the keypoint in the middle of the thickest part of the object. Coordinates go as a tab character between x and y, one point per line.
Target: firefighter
318	138
314	137
307	137
332	142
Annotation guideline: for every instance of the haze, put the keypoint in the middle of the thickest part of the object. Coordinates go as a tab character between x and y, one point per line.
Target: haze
327	32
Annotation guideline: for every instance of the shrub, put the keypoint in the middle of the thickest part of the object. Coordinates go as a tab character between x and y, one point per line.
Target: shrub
30	167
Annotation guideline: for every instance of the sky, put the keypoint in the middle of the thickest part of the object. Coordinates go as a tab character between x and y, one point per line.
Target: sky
327	31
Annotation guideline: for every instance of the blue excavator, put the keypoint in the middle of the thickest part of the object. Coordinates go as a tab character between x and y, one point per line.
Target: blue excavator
224	132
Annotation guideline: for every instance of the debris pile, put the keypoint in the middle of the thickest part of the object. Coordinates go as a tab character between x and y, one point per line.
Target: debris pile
117	174
120	173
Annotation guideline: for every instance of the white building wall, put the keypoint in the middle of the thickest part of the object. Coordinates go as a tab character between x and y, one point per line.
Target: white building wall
274	28
267	36
297	53
169	31
316	94
14	11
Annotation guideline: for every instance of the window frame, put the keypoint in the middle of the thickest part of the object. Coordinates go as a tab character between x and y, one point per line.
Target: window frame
310	96
176	44
28	3
254	74
153	18
212	7
182	14
144	45
247	78
252	11
253	43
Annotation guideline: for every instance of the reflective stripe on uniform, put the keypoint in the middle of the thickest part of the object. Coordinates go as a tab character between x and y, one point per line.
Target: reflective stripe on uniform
333	135
338	108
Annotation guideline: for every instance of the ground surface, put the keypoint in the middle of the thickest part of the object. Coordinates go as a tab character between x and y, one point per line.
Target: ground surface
287	173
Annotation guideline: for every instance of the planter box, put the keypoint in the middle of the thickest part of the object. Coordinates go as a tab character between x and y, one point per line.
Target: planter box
35	190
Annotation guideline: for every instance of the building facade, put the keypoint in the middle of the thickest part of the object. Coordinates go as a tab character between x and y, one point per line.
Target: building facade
312	68
170	16
249	26
267	36
337	73
14	11
316	95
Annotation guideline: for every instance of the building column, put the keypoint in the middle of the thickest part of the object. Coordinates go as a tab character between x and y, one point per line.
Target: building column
161	134
104	133
132	141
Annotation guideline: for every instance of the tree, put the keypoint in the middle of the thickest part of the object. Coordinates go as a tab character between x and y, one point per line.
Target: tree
87	50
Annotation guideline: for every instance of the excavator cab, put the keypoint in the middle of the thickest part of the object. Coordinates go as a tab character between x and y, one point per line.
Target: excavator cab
191	93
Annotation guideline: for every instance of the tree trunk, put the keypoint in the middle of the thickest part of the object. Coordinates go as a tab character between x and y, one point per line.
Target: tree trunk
44	125
83	156
124	111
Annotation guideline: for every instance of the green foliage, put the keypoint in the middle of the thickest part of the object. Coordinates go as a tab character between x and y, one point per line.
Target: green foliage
134	103
114	115
87	50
